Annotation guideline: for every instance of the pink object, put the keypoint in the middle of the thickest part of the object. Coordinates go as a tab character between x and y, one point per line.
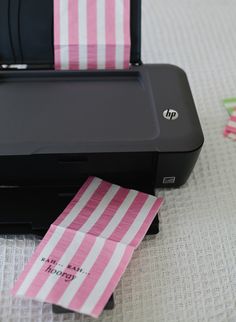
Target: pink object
92	34
230	129
82	257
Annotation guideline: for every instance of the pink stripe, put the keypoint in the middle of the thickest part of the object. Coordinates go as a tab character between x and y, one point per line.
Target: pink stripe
231	129
39	249
56	254
233	118
113	282
226	132
91	205
110	35
95	273
147	223
92	33
229	134
74	201
129	217
57	57
127	33
57	46
73	34
80	256
111	209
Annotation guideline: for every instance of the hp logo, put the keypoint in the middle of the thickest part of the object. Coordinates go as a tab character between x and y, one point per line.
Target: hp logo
170	114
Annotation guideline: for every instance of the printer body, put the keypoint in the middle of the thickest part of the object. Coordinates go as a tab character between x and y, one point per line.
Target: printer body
137	128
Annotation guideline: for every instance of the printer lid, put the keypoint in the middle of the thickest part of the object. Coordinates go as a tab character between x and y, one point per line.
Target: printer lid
26	32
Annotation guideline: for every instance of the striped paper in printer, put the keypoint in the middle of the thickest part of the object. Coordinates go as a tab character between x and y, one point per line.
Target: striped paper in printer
92	34
82	257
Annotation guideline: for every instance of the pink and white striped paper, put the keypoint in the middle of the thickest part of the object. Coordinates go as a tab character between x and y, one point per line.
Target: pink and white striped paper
230	129
82	257
92	34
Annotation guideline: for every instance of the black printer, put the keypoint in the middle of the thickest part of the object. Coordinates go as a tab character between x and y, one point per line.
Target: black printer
137	128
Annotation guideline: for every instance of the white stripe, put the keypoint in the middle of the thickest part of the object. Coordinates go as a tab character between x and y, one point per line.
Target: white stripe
87	265
119	56
119	27
64	34
104	280
234	113
232	124
36	267
138	222
101	34
119	215
64	56
101	56
232	136
97	213
64	261
83	31
82	202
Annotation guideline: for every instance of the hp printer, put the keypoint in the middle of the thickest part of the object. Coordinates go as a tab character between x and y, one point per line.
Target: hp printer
137	128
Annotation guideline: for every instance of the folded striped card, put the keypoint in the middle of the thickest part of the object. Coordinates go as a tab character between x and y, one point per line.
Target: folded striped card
92	34
230	129
82	257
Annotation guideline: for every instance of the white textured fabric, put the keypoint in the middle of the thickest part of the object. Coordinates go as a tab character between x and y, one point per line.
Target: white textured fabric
188	272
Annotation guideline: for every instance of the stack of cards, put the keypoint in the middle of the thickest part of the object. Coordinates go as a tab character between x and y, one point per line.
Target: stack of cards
230	129
82	257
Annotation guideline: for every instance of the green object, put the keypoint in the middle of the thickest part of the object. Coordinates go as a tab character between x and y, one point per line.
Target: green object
230	104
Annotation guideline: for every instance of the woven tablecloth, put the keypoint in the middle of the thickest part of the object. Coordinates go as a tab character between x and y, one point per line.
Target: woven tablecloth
188	272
